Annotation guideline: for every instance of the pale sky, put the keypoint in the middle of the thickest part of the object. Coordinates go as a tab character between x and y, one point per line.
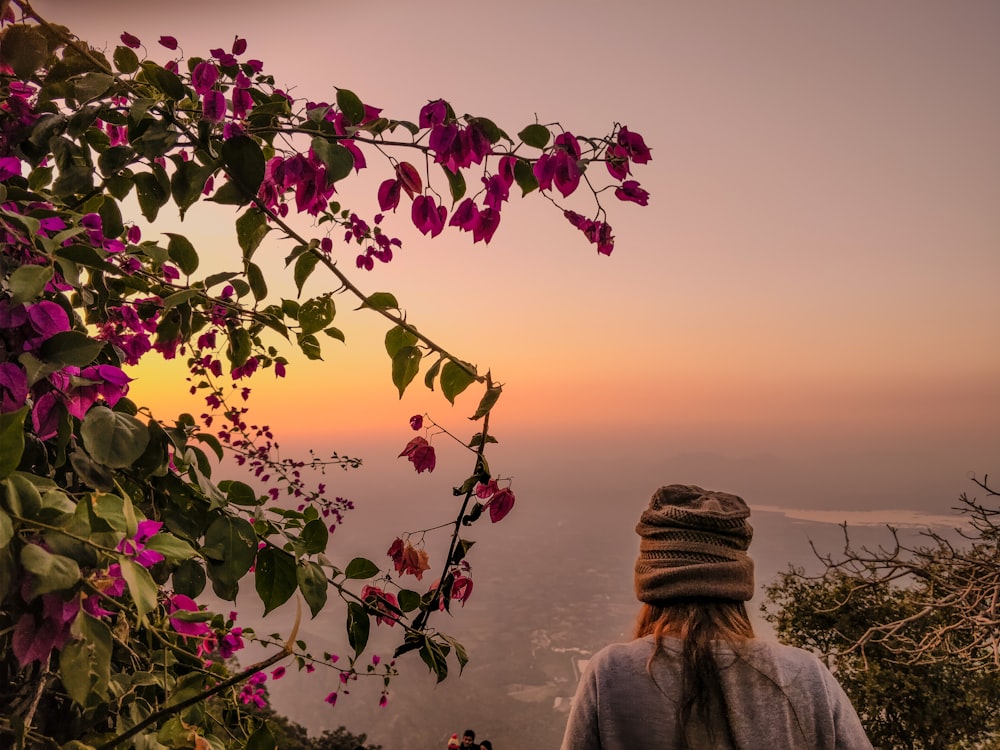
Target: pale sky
806	311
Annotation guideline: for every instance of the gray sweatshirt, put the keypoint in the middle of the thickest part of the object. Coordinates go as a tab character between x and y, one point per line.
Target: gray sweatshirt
779	698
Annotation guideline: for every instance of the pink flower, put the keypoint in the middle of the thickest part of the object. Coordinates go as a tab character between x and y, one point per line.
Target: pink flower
383	700
630	191
179	602
421	454
239	46
278	673
501	504
461	588
433	113
416	421
130	41
213	106
486	491
427	216
331	699
168	41
634	145
388	195
381	601
203	77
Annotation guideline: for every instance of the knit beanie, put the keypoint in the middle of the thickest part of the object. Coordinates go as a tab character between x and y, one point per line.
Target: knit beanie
692	544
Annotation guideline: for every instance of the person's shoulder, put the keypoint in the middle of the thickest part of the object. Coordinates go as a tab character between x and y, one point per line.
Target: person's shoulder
617	653
784	661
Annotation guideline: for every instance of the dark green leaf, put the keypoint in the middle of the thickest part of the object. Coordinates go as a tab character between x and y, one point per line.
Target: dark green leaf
262	739
309	345
351	106
304	266
315	536
360	568
111	218
454	380
170	546
24	49
456	184
274	577
49	572
23	497
257	284
358	627
28	282
239	493
381	301
12	439
164	80
432	373
408	600
435	656
460	653
125	60
335	333
251	228
85	662
398	337
338	160
189	578
71	348
179	298
233	544
487	402
140	585
152	196
187	183
316	314
6	530
535	135
240	347
91	86
313	585
524	175
113	439
245	163
405	366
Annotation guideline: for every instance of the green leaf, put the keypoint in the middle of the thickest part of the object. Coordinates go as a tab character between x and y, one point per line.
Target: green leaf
335	333
49	572
358	626
432	373
240	347
12	439
338	160
24	49
140	585
179	298
182	253
251	228
313	585
71	348
125	60
257	284
23	497
314	537
91	86
164	80
6	529
487	402
85	662
233	545
274	577
397	338
304	266
524	175
435	656
239	493
151	194
111	218
170	546
454	380
316	314
309	345
456	184
535	135
187	183
351	106
189	578
113	439
460	652
380	301
245	163
262	739
28	282
114	159
408	600
360	568
405	366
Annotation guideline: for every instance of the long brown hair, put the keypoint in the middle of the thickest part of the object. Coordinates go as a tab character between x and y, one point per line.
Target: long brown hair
697	623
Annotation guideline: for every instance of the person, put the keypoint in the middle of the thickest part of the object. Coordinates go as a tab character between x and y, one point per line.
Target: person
695	677
485	745
469	740
453	743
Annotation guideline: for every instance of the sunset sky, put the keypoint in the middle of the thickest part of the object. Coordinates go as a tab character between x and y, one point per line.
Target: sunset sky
807	311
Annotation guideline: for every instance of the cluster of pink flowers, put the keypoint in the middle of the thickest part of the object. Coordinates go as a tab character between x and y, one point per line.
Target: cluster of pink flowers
408	559
498	500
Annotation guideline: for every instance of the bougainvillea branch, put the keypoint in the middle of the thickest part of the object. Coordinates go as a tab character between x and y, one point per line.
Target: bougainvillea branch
112	521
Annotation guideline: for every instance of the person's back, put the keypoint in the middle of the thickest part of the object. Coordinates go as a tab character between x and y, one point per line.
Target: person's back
777	698
696	678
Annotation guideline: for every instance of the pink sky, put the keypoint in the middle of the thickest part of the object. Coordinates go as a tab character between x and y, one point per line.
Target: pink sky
813	282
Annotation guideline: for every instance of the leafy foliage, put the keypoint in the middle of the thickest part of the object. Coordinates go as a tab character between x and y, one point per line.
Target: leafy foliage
908	632
112	521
